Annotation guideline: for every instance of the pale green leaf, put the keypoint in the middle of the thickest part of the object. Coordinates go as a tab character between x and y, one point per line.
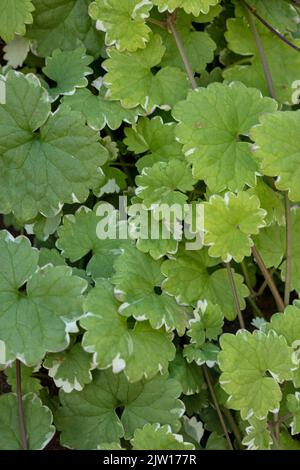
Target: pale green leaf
14	16
253	366
229	224
130	79
124	22
156	437
211	122
190	6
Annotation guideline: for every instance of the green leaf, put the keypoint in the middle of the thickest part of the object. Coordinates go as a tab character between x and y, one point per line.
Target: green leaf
63	24
229	224
295	282
293	405
71	369
207	323
98	111
253	366
130	78
271	245
140	352
188	375
258	436
93	410
123	22
16	51
190	6
14	16
207	354
280	15
156	437
278	149
47	159
29	383
156	139
190	279
283	61
78	237
211	122
271	201
138	282
165	182
69	70
287	324
38	418
51	302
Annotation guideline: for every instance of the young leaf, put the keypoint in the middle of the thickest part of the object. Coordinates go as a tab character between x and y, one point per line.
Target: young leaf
138	284
229	224
293	405
190	6
98	111
123	22
258	436
157	437
156	139
188	375
71	369
253	366
165	182
212	121
207	323
130	79
38	418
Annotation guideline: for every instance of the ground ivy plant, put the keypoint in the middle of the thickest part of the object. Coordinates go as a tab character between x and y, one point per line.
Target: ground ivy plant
112	113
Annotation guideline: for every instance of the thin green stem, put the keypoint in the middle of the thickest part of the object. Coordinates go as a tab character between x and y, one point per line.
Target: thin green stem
181	50
261	52
256	310
288	265
270	28
217	406
268	278
161	24
21	418
235	296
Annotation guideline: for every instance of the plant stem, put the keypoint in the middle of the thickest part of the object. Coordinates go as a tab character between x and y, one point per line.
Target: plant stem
288	265
277	429
261	52
234	427
235	296
161	24
181	50
269	280
21	418
270	28
217	406
256	309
